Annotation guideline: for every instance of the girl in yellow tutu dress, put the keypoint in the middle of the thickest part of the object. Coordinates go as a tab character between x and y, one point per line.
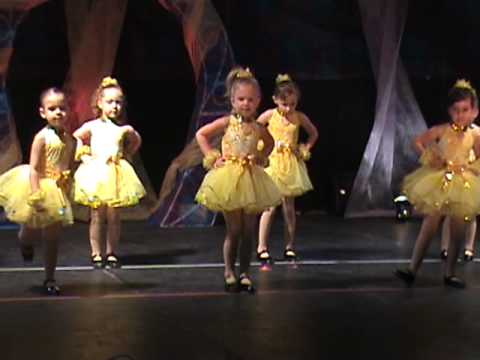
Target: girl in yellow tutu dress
105	181
447	183
286	161
236	185
35	195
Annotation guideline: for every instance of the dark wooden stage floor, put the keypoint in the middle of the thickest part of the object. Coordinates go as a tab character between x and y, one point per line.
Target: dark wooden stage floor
167	302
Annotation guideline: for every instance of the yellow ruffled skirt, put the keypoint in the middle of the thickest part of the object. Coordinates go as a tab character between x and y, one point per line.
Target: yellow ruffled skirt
438	191
289	173
112	184
15	190
235	186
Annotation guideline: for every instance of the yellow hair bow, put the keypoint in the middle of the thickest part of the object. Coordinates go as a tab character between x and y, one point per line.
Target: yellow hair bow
244	74
281	78
464	84
109	81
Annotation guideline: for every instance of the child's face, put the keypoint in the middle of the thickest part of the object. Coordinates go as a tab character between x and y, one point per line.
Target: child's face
286	104
245	100
110	102
54	110
463	112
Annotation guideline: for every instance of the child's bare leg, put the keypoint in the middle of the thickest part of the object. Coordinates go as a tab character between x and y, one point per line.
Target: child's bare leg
233	221
26	237
248	234
51	235
457	231
427	231
113	230
288	207
445	234
96	225
266	220
471	232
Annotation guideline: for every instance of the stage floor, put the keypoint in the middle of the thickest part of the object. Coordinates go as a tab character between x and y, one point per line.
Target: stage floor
167	302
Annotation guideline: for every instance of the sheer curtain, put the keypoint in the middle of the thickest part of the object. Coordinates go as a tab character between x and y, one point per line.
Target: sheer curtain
389	154
212	58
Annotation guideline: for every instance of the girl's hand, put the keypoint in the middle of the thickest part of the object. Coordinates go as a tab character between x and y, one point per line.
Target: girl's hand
436	161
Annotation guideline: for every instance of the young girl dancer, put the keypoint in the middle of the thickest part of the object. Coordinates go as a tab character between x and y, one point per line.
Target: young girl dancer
105	181
35	195
286	162
236	185
447	183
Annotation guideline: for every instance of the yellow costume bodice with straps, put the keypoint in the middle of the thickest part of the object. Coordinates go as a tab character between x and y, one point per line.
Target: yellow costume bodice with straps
456	147
240	139
284	132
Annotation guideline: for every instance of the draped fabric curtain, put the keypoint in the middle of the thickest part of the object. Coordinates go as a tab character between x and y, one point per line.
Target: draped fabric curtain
94	29
11	14
389	154
212	58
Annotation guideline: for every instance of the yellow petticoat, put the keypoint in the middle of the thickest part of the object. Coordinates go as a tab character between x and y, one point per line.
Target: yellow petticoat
440	191
236	186
288	172
15	190
112	184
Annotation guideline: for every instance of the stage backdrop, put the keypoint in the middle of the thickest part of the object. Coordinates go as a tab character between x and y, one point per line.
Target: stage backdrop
94	28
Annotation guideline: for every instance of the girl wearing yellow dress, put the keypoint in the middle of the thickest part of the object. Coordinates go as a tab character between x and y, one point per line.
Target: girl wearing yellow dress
35	195
447	183
236	184
105	181
286	161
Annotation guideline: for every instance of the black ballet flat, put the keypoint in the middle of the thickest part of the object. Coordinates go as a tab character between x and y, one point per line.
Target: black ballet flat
28	252
51	288
468	255
454	282
264	257
290	255
245	284
231	285
443	254
112	261
406	275
97	261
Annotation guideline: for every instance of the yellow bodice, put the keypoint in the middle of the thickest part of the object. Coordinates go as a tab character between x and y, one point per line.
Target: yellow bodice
456	147
106	139
284	132
240	139
54	150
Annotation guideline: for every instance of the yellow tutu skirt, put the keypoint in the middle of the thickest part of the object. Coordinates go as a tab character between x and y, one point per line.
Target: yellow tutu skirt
98	183
235	186
14	192
289	174
436	191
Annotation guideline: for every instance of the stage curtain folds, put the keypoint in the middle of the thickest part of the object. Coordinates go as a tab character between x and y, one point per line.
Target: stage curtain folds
389	154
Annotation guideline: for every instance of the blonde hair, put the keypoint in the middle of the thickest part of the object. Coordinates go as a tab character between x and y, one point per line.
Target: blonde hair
239	75
107	82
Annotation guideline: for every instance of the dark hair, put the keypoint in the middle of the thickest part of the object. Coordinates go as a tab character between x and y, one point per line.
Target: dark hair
106	83
460	91
47	92
285	86
239	75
